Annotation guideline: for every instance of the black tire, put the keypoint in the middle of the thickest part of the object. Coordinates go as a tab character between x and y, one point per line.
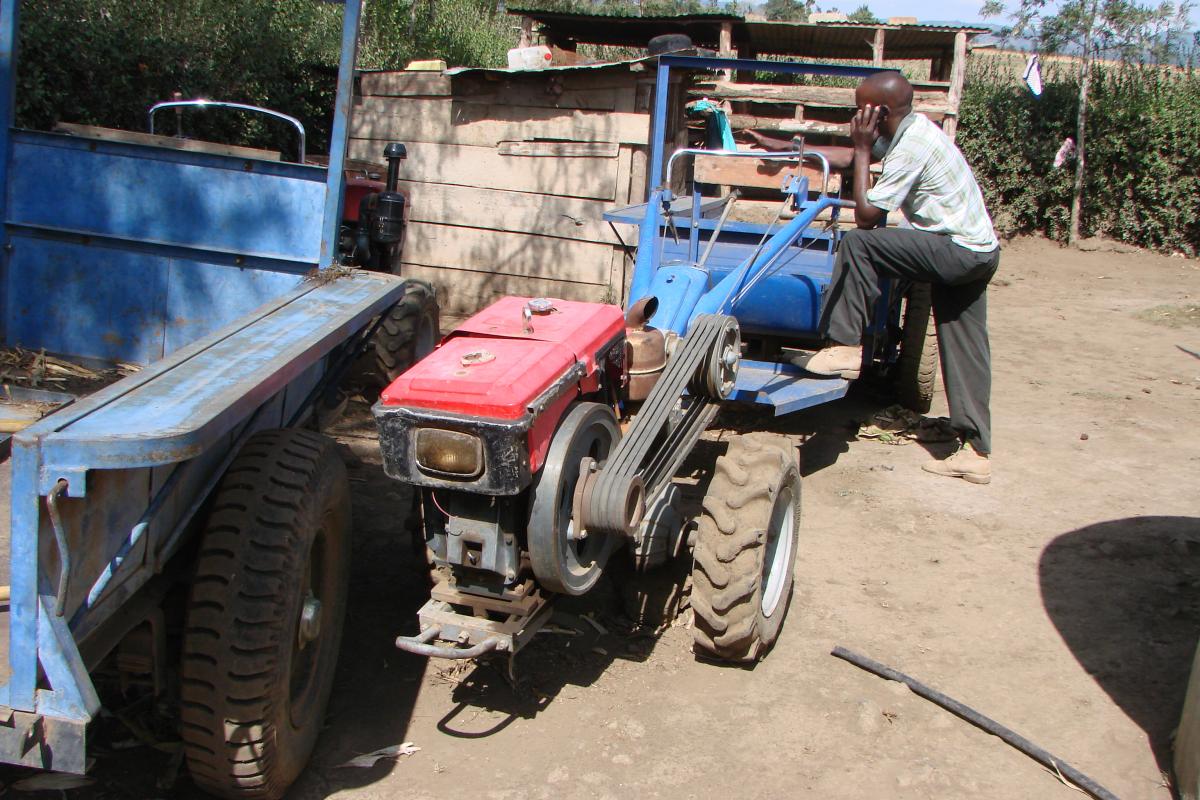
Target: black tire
742	571
917	369
254	695
408	333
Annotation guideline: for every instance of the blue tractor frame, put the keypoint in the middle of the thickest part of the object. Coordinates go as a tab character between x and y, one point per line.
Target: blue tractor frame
772	280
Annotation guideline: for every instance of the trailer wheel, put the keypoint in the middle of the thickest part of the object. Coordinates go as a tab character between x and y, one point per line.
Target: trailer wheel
916	372
408	333
264	618
745	549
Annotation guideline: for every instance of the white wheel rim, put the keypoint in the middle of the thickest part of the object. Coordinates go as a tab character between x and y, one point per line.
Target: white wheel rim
778	559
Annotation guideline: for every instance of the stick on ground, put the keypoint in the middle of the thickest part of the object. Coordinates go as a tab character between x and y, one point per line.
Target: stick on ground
980	721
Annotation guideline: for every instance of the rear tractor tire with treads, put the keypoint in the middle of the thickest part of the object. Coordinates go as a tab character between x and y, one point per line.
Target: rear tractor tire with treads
409	331
264	617
742	571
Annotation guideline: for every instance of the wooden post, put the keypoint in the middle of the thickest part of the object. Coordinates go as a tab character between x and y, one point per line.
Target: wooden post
958	74
725	48
877	48
526	32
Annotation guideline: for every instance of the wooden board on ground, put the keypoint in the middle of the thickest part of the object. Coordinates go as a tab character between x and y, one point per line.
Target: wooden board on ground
155	140
756	173
457	121
487	168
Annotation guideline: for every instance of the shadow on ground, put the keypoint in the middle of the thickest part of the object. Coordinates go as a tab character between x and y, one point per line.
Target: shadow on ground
1125	597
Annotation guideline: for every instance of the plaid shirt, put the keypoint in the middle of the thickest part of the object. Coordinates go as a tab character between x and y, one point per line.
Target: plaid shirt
927	178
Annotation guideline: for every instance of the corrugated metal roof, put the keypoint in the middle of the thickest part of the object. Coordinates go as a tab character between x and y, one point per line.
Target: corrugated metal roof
704	29
814	40
631	65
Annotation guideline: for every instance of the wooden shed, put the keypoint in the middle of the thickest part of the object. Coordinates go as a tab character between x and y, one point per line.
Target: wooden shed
509	172
934	56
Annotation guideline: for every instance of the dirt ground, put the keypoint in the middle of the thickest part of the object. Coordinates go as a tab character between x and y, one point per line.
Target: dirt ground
1063	600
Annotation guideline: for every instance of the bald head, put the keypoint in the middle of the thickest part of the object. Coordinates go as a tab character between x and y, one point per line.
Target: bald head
889	90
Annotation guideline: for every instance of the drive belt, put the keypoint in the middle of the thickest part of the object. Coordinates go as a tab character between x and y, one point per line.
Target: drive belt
697	378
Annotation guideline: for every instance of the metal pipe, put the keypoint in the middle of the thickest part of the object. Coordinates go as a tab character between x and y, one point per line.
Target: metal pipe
60	540
202	103
716	231
420	646
972	716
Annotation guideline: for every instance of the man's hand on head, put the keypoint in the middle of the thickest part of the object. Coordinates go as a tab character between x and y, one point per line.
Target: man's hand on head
864	128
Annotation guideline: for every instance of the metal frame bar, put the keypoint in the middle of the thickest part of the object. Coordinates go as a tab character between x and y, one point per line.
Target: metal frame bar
334	195
202	104
721	297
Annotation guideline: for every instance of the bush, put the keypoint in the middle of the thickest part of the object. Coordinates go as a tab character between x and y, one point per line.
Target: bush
1143	163
105	62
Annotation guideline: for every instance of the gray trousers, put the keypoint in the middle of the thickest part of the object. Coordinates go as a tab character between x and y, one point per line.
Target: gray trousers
958	278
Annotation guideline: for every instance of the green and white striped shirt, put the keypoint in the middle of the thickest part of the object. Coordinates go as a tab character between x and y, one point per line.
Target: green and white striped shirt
927	178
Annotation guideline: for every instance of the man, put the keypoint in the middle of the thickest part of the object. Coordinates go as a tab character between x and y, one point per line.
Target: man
951	246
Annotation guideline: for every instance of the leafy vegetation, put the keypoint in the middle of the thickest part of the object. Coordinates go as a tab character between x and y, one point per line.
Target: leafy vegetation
1143	181
1124	28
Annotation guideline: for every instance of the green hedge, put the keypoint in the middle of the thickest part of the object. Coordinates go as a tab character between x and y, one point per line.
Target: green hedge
1143	151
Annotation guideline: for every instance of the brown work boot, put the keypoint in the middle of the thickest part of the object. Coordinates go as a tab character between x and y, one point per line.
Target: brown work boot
838	361
967	464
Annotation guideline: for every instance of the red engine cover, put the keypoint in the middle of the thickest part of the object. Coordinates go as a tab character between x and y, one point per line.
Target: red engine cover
515	367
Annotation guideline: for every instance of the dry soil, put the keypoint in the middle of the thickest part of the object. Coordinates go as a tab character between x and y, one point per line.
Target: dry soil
1062	599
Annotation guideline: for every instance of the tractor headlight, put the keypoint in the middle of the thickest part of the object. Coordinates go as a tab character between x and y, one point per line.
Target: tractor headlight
450	453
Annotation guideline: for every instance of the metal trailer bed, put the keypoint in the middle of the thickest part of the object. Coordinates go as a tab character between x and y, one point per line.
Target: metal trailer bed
194	265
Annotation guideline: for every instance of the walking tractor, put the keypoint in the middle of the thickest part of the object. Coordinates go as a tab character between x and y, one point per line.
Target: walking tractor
544	434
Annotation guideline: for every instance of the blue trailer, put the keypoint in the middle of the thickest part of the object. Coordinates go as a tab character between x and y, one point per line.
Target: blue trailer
219	276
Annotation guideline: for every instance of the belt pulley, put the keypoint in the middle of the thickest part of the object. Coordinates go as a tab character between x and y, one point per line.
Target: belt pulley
700	374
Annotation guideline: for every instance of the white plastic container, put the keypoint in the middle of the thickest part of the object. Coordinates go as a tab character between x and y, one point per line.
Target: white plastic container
536	57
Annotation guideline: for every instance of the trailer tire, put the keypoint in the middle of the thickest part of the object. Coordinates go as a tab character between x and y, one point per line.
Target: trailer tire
742	570
264	616
917	368
409	331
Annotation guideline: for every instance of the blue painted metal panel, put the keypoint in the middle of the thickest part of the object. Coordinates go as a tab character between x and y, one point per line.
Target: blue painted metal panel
784	386
95	302
203	297
109	300
165	196
181	405
788	303
677	289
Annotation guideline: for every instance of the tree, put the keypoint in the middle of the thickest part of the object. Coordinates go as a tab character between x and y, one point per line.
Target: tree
787	10
1123	29
863	16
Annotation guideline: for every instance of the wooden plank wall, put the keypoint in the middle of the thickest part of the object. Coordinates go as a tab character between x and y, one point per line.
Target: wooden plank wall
508	175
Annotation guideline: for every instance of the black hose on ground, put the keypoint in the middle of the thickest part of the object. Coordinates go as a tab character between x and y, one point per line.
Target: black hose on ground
1057	765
